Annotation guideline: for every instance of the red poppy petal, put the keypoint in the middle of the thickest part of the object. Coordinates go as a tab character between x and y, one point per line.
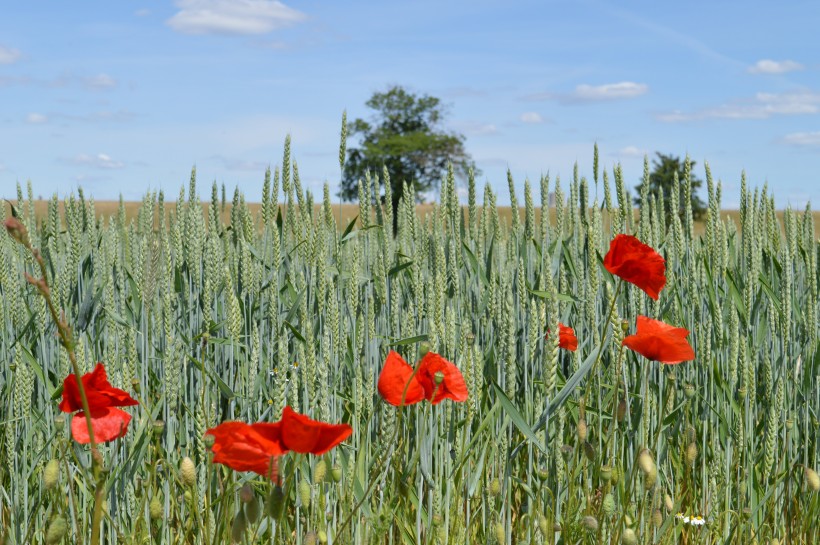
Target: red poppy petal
452	385
566	338
244	447
305	435
98	392
394	377
108	424
637	263
660	342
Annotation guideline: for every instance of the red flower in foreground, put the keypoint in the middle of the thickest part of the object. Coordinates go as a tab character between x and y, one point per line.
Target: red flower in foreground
255	447
248	447
637	263
566	338
302	434
660	342
435	375
107	421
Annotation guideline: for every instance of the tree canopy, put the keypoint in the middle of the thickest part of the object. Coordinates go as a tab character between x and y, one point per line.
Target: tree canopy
662	181
404	137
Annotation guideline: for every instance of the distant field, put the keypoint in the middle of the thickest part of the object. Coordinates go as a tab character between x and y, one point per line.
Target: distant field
347	211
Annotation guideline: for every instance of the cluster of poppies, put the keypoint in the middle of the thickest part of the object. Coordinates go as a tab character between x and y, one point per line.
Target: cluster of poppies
256	447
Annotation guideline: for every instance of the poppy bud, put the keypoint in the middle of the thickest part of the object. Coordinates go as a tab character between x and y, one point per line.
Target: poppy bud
543	525
500	534
320	472
336	473
590	523
304	493
209	440
187	472
423	349
246	493
276	502
581	430
629	537
135	385
812	479
495	487
620	412
240	524
51	474
657	518
589	451
608	505
691	453
625	326
542	473
689	390
606	472
252	510
155	508
56	530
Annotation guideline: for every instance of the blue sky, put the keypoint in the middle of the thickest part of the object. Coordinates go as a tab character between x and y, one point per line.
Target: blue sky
123	97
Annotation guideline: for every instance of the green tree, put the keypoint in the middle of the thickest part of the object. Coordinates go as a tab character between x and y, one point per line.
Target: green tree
661	181
406	137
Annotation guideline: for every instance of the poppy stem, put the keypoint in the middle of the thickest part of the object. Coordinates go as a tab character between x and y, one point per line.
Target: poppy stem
64	331
603	337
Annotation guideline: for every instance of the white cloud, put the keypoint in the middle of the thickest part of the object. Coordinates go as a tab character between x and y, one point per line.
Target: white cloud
9	55
232	16
631	151
596	93
768	66
100	81
761	106
531	117
144	12
36	118
473	128
803	139
101	160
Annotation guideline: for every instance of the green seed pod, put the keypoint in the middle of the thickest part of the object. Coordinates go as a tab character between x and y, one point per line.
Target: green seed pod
608	505
500	534
59	423
304	493
240	524
590	523
629	537
691	453
689	390
246	493
187	472
606	472
320	471
495	487
158	427
276	502
616	476
51	474
812	479
336	473
253	510
209	440
56	530
155	508
581	430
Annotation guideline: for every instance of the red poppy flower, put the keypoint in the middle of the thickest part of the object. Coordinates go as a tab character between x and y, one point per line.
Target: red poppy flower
637	263
308	436
248	447
108	422
435	374
660	342
394	377
566	338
